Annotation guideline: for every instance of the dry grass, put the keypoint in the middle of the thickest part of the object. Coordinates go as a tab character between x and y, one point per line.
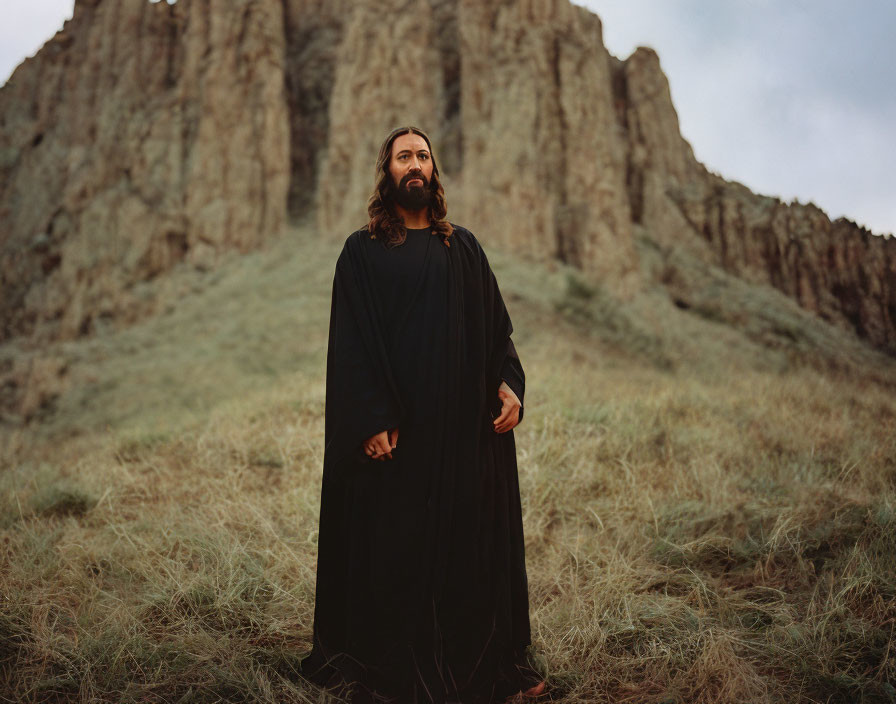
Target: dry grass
709	517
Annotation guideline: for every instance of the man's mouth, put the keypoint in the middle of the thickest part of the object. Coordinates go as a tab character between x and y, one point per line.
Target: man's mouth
415	180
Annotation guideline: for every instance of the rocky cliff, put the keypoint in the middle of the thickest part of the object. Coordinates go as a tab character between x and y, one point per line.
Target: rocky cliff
145	136
837	270
141	135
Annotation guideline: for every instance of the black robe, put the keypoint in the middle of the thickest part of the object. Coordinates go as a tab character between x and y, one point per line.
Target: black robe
421	588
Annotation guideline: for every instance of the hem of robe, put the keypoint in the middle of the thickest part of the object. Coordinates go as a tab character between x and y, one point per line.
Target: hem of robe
341	674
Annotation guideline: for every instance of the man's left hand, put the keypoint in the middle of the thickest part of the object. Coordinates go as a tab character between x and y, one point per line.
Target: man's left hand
510	409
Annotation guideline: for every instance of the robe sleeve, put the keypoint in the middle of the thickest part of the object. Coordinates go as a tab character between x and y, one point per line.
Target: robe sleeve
504	352
512	372
360	397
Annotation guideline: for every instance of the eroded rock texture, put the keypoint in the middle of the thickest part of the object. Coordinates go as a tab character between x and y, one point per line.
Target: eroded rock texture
836	269
141	135
544	157
144	135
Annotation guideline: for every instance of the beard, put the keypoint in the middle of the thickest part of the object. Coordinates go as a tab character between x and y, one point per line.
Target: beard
411	198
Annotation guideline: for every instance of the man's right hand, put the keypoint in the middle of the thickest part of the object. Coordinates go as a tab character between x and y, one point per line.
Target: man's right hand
380	446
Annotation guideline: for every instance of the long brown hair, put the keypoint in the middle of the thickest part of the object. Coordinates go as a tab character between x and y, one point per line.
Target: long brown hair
384	222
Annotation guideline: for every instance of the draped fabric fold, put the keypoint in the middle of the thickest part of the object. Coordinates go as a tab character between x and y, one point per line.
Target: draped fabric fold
421	590
512	372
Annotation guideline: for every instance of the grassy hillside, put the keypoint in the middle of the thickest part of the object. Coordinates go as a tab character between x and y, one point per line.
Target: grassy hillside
709	494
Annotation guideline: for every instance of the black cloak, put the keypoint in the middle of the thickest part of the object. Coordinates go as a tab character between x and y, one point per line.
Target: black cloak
421	588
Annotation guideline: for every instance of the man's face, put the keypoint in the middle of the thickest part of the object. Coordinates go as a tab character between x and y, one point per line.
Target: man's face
411	169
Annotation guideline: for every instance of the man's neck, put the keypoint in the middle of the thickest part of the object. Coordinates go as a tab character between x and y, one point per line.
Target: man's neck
413	219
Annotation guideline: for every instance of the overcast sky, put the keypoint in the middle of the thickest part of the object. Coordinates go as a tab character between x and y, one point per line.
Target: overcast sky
793	98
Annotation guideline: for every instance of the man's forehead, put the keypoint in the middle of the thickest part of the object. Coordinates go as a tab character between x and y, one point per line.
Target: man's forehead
412	141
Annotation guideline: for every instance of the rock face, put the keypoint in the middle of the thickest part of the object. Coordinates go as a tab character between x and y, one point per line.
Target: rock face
144	135
540	136
141	135
837	270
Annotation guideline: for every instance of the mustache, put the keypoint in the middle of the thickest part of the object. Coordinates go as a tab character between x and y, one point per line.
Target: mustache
411	176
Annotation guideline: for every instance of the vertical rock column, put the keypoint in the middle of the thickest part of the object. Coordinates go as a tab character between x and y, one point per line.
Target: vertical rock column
543	162
659	158
236	165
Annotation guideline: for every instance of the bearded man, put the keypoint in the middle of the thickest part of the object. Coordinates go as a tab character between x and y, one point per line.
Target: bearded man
421	591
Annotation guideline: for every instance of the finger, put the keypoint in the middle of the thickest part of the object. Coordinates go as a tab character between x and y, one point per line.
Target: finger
386	451
509	424
505	414
383	451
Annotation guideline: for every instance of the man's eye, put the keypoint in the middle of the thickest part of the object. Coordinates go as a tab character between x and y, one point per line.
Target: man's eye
424	156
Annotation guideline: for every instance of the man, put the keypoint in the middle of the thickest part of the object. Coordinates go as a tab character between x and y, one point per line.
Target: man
421	591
